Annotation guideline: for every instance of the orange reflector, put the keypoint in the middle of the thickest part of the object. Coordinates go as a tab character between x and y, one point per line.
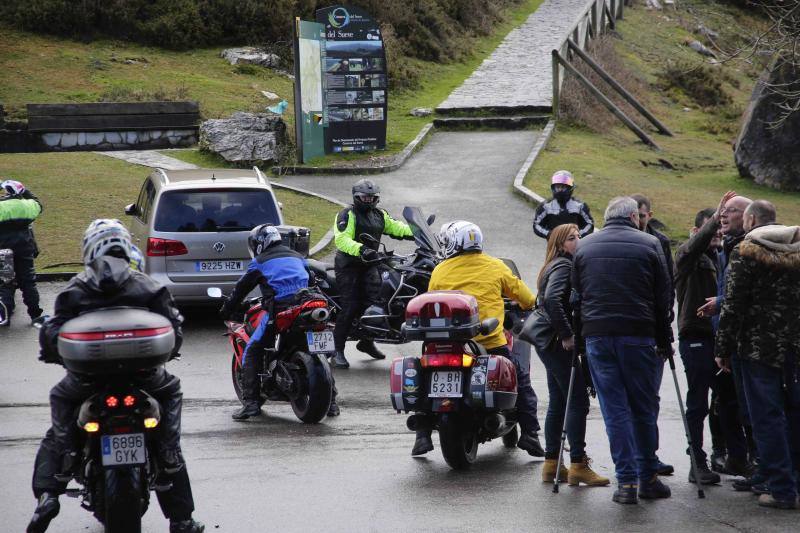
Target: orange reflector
150	423
91	427
466	360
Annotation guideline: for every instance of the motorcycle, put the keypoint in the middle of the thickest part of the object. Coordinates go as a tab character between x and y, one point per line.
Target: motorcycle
116	464
402	278
296	370
454	386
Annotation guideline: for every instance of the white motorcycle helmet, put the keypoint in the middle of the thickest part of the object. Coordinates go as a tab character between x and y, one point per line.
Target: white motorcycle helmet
460	236
102	235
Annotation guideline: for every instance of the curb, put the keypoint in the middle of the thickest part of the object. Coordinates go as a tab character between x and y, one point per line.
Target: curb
521	189
328	237
504	110
398	161
498	122
54	276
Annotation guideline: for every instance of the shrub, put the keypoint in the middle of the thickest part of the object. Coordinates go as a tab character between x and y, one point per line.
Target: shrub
699	82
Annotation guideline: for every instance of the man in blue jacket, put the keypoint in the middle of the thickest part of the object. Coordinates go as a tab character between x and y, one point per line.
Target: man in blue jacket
625	294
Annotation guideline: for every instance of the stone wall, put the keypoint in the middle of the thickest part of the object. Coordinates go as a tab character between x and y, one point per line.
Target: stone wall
118	140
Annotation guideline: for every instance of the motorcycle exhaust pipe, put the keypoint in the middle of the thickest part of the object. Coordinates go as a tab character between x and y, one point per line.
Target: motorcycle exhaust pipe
320	314
494	422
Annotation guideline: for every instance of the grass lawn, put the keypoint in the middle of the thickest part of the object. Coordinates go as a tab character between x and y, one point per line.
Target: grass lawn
62	70
76	188
616	163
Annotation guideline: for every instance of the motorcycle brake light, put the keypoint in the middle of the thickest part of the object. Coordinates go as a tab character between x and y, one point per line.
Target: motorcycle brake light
112	401
446	360
129	401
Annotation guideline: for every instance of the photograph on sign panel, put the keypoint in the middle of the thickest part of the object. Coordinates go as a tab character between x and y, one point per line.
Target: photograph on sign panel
353	81
379	97
340	114
356	64
375	80
351	97
333	64
310	76
354	48
373	64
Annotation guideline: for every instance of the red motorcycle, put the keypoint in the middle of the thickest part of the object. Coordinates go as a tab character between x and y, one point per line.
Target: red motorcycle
466	394
297	370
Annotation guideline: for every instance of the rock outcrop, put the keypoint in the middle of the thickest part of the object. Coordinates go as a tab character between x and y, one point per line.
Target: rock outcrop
767	154
244	137
252	55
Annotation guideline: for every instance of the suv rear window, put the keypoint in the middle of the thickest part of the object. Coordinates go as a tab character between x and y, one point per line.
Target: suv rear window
215	210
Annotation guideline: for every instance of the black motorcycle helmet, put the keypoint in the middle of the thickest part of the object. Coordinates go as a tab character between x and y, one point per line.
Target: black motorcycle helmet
262	237
366	194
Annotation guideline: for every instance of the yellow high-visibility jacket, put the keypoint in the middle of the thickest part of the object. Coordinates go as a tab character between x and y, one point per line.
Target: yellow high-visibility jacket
488	279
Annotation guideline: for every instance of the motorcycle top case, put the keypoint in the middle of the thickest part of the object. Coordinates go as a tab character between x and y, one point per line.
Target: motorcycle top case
115	341
442	315
408	385
493	383
296	238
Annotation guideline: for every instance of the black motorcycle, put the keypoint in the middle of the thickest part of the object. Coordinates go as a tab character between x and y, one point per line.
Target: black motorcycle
116	466
402	278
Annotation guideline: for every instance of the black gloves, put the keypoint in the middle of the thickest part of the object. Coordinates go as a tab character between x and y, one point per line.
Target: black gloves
368	254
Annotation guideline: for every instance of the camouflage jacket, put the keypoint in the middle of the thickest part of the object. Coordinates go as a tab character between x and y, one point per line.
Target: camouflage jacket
760	319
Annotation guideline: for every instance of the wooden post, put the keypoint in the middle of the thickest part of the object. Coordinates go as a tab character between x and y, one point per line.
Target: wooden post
613	10
556	84
621	9
620	89
605	101
611	23
595	33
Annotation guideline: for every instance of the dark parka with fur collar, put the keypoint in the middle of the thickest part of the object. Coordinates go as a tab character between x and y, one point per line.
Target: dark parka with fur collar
760	319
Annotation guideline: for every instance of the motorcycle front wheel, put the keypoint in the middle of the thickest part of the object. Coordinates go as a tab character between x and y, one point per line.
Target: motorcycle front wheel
122	496
314	387
459	443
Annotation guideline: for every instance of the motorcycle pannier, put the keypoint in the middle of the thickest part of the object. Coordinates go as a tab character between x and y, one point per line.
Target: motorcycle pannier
115	341
408	385
296	237
493	383
442	315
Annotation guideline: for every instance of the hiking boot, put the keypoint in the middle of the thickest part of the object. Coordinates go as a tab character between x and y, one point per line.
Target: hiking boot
339	360
766	500
186	526
530	443
760	488
549	471
333	409
369	348
739	467
250	408
707	477
581	472
626	493
745	484
46	510
718	461
423	444
39	321
654	489
663	469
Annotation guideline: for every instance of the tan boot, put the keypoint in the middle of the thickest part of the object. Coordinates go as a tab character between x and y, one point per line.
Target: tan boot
580	472
549	471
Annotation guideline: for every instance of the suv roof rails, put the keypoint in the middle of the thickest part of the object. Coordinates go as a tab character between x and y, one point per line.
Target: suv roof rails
260	176
164	177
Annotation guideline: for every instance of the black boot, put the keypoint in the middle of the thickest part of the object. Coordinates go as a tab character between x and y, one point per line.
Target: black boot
339	360
369	348
46	510
333	409
664	469
654	489
718	462
707	477
423	444
250	408
530	443
186	526
626	493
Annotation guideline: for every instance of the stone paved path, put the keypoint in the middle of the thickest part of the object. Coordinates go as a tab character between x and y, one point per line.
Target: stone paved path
518	74
150	158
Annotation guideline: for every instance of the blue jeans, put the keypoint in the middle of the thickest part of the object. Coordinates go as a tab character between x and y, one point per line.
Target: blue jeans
773	398
701	375
558	364
626	372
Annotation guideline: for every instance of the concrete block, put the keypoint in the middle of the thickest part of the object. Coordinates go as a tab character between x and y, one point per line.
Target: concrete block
69	140
81	138
113	137
51	139
131	137
94	138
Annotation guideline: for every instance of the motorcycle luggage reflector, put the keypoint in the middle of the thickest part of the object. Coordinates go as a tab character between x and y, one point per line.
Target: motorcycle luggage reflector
406	382
442	315
115	341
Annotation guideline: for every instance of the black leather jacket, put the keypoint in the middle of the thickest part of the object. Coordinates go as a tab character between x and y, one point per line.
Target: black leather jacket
554	295
620	276
110	283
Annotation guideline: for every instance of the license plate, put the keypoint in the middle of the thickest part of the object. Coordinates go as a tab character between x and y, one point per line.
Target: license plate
125	449
217	266
320	341
445	384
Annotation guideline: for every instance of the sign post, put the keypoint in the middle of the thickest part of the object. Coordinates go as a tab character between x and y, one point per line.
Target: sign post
309	89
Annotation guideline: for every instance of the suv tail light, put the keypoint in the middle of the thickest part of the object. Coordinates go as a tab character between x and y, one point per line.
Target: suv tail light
165	247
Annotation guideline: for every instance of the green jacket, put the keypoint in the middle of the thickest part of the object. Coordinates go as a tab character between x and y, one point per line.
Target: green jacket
350	225
16	215
760	319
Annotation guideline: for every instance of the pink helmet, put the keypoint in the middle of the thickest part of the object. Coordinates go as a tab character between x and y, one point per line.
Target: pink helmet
562	177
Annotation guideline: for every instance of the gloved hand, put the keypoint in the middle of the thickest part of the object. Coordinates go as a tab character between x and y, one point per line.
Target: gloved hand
12	187
368	254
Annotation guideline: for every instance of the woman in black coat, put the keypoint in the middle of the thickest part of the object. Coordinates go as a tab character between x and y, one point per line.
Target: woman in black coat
555	310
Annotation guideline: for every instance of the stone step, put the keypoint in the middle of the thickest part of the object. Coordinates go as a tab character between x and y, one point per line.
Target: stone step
517	122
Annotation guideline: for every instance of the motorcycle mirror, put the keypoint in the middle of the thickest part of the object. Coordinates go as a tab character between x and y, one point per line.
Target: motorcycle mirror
214	292
489	325
431	219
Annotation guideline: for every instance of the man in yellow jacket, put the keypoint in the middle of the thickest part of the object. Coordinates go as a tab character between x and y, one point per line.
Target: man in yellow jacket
488	279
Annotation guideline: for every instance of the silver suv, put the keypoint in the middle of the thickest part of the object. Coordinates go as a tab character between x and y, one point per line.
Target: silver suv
192	227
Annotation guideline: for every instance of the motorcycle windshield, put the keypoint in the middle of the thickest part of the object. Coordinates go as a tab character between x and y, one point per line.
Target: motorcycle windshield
423	235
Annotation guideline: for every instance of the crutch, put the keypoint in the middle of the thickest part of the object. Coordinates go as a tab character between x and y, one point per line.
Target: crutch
566	414
700	492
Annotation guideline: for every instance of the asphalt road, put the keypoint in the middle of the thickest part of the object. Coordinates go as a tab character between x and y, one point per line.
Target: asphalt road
354	472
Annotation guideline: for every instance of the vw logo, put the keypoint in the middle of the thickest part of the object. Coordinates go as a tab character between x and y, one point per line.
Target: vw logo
219	247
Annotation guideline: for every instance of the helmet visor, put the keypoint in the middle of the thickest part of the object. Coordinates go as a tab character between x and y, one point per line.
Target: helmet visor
367	199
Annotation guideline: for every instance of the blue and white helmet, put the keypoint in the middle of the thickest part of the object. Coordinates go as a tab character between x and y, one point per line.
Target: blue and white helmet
262	237
102	235
460	236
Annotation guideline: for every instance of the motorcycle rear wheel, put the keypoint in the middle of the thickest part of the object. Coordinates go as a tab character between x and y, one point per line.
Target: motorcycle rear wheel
122	496
459	443
315	388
